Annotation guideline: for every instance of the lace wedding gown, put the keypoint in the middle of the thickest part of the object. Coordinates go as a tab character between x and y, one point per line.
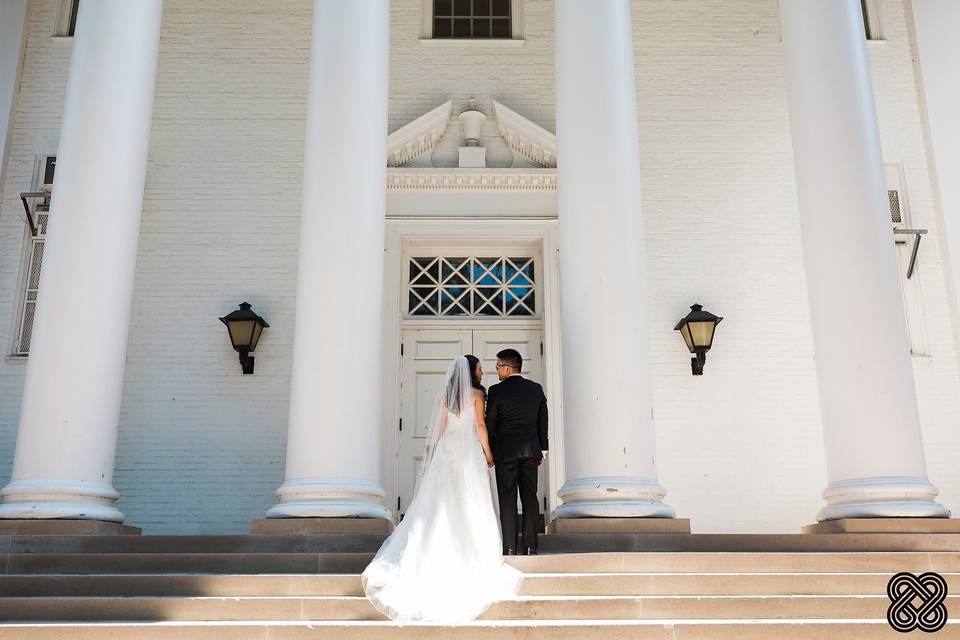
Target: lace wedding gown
443	562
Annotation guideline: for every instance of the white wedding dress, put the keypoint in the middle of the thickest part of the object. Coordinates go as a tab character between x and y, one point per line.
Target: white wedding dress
443	562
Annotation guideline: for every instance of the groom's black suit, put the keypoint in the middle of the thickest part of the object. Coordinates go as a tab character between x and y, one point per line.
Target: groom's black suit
516	420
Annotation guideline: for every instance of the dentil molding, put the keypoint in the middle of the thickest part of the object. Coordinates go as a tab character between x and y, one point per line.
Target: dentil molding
430	179
416	138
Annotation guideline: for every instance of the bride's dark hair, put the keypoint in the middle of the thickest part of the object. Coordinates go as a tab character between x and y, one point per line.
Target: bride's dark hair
472	361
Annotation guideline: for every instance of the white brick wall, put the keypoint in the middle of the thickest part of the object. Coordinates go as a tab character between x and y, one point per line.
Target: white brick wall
201	447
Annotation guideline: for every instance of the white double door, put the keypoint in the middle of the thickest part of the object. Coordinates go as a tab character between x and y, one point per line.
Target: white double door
426	355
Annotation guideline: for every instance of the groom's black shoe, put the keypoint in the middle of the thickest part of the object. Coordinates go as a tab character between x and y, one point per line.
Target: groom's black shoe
509	552
531	551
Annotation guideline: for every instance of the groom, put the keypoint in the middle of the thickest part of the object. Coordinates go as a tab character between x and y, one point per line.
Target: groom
516	418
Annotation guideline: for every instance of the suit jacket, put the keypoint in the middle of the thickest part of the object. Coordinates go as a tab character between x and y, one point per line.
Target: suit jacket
516	418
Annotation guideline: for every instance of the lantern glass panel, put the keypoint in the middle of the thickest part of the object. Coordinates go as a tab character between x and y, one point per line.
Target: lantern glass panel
685	332
257	330
241	332
701	333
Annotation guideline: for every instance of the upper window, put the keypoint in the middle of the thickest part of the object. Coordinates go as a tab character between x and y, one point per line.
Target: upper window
871	19
67	18
471	19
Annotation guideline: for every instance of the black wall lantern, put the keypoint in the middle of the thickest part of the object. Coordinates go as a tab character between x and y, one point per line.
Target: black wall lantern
697	330
245	327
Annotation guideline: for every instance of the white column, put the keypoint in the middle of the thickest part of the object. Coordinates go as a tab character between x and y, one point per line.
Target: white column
610	449
333	442
63	466
13	17
871	426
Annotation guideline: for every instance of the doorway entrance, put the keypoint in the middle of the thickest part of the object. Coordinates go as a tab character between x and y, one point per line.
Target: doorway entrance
426	354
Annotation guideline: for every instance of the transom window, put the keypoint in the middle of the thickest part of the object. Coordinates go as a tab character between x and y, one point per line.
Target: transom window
471	286
471	19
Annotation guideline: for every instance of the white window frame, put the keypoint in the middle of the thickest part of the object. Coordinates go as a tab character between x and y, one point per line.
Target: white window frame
26	261
516	29
64	18
872	19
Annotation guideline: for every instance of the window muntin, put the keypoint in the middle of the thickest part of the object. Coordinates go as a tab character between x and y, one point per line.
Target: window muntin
472	19
468	286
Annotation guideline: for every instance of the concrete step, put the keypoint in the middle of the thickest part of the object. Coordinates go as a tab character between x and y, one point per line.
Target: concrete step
261	543
353	608
759	542
536	584
213	563
553	543
707	629
651	562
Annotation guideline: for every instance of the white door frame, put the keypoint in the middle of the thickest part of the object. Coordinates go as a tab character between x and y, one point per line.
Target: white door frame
451	234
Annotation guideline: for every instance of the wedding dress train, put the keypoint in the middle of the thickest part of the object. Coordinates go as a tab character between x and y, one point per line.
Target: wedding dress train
443	562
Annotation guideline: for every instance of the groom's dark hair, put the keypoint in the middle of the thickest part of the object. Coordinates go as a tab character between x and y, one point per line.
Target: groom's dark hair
511	357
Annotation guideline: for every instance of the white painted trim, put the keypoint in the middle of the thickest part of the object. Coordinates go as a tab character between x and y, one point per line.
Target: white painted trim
419	136
430	179
62	27
473	42
874	20
525	137
402	233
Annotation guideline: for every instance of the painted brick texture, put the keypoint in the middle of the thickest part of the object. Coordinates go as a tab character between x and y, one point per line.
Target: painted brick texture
201	448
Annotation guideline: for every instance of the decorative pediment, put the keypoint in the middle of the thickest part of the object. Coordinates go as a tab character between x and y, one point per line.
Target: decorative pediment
416	138
526	138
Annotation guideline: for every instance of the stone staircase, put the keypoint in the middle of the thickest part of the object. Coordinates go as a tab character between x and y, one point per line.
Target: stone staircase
275	587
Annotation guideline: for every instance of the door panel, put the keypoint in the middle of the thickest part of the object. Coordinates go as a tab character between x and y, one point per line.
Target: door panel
486	344
426	355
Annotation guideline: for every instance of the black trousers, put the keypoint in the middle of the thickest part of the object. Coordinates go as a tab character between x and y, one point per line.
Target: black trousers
514	473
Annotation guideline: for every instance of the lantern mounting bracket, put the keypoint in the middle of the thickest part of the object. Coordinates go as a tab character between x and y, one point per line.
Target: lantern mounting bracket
25	198
916	233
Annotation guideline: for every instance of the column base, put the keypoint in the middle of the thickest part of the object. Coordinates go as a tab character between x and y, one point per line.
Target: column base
53	499
330	498
881	497
613	497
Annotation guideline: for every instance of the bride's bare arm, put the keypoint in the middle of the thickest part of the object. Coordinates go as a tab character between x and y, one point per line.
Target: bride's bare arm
482	427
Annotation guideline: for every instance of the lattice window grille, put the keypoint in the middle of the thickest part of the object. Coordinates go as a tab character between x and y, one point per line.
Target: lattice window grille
443	286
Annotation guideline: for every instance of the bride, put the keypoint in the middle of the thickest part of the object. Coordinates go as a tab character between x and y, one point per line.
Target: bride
443	562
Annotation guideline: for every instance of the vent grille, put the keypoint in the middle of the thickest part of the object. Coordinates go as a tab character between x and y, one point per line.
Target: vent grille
895	214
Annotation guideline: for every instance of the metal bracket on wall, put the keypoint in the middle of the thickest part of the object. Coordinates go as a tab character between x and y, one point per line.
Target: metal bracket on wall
916	233
43	206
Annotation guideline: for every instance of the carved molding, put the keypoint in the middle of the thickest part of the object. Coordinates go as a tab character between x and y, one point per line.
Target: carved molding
535	180
530	140
415	138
